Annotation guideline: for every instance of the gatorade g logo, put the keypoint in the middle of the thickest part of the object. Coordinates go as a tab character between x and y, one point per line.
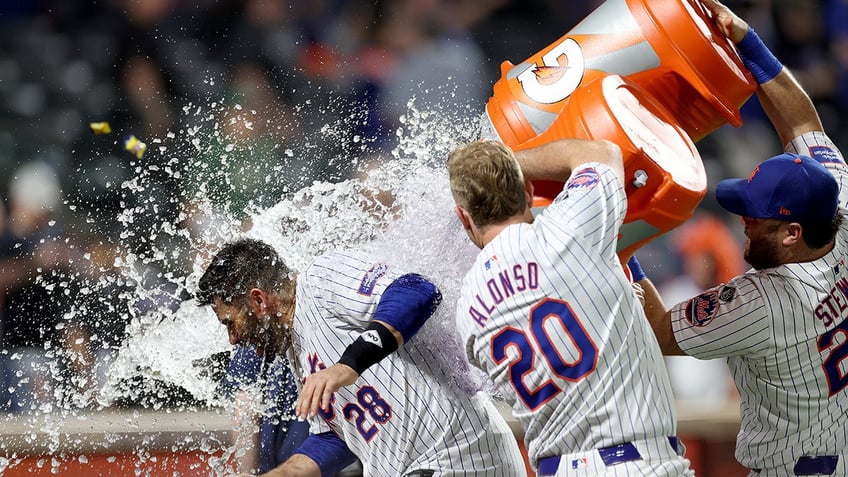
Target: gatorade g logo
554	80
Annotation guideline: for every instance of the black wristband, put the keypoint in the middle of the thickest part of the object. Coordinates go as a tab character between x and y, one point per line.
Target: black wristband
374	344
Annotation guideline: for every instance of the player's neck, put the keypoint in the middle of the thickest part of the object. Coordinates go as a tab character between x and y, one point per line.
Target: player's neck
802	253
488	233
283	318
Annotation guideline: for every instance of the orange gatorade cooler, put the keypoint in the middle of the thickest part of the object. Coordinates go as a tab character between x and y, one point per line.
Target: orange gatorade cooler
664	175
668	47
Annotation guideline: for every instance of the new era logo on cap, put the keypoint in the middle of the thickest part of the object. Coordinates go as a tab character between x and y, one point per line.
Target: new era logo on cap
787	187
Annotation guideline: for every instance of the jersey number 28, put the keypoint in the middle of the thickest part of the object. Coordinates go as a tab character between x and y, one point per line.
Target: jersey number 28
538	342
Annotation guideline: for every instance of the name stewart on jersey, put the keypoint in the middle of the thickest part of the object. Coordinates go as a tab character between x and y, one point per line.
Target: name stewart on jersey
833	307
520	278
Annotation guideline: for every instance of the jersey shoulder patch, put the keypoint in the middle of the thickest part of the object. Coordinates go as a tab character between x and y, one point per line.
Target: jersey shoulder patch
585	179
824	154
369	280
726	293
701	310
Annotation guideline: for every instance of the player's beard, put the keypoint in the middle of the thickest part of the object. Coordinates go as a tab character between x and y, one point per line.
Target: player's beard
281	343
275	339
262	339
762	253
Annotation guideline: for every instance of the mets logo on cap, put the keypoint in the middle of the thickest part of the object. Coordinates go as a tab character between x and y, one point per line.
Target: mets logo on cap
585	179
701	310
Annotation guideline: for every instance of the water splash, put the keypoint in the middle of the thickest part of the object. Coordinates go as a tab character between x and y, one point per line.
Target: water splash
400	210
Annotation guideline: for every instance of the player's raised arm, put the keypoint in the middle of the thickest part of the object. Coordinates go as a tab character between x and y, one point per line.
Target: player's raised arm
555	160
789	108
786	104
404	307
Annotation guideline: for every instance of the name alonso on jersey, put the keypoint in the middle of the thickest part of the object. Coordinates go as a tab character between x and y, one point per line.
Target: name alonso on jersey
520	278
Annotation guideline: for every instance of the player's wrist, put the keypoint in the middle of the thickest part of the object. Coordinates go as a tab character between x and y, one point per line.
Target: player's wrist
636	269
348	373
756	56
371	347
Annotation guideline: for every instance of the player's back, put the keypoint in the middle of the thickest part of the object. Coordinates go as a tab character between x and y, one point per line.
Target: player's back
549	314
398	416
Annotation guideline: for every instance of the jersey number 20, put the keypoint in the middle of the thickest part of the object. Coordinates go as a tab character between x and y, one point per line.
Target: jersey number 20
528	346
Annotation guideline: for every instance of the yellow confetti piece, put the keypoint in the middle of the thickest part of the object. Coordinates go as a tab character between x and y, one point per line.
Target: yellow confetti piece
135	146
100	128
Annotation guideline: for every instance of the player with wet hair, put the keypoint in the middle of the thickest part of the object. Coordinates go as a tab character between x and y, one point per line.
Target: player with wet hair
343	320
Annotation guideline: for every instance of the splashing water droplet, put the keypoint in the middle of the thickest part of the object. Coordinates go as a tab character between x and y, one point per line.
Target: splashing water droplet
400	210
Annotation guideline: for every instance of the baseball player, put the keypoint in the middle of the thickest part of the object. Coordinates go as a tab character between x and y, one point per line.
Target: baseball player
346	310
548	313
783	325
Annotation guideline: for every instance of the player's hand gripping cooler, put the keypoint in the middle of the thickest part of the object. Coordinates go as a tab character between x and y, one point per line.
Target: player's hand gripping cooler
664	175
688	78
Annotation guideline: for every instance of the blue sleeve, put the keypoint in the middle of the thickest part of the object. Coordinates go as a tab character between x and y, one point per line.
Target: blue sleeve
278	440
243	370
407	303
636	269
328	451
280	433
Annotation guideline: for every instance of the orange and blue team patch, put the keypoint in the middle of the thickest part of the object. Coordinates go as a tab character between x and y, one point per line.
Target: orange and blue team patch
824	154
701	310
585	179
369	280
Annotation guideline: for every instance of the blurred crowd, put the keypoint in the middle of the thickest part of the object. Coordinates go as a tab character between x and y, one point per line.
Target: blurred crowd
240	102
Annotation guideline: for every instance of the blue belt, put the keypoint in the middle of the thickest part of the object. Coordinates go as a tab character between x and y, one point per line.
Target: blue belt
814	465
821	465
609	455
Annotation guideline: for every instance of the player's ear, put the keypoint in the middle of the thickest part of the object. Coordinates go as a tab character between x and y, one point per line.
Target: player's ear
464	217
257	300
792	235
529	193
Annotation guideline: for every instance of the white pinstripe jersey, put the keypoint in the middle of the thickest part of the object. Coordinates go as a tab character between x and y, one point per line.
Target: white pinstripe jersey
548	313
395	417
784	332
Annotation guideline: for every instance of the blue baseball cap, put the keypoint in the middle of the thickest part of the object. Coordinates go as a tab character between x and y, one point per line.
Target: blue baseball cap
788	187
